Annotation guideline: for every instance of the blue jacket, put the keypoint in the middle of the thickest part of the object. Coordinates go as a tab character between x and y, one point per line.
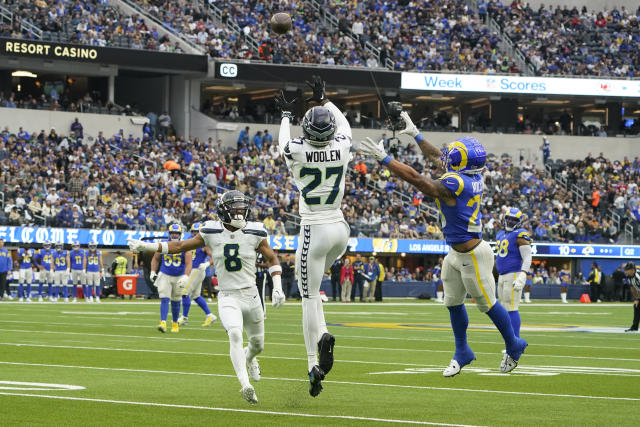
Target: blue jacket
371	271
5	260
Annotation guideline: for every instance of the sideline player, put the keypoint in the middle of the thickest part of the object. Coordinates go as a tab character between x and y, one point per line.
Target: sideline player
437	277
318	161
468	267
201	260
75	259
513	260
61	275
93	271
44	261
234	244
172	280
26	259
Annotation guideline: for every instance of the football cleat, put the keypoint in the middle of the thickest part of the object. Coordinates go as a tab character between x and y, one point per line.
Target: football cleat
66	300
183	320
631	329
209	319
28	299
97	299
510	363
39	299
253	366
325	350
209	300
162	327
174	327
21	299
249	394
452	370
460	360
74	300
315	381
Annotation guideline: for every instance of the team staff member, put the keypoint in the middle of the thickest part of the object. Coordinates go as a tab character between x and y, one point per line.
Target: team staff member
372	272
5	265
633	277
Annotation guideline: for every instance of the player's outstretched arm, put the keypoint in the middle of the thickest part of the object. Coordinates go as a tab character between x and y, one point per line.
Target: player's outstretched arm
428	186
286	108
429	150
277	296
173	247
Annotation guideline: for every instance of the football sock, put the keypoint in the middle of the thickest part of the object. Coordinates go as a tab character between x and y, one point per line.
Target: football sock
20	290
97	290
311	329
203	305
75	291
322	324
164	308
56	291
175	310
186	305
501	319
238	359
563	296
515	322
459	323
85	291
39	289
49	291
256	344
440	295
29	290
527	296
65	291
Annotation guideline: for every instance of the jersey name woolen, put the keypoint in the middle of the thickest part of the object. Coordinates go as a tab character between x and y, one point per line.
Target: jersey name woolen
323	156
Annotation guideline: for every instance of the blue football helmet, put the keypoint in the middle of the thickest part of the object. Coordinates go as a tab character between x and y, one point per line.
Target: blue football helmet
512	219
318	126
464	155
46	244
195	227
175	232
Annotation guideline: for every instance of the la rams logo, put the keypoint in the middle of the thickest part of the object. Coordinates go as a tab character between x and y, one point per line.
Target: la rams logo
458	155
385	245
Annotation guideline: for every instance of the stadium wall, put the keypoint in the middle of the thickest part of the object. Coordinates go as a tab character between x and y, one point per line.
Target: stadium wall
36	120
562	147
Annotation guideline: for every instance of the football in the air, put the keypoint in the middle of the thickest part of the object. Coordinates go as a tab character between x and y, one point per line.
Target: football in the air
281	22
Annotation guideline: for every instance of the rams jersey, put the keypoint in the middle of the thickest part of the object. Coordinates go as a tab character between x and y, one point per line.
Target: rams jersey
508	258
27	258
198	256
461	222
46	258
319	172
93	261
77	259
234	253
60	259
172	264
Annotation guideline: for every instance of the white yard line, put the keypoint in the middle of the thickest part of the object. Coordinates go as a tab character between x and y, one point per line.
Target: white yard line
246	411
415	387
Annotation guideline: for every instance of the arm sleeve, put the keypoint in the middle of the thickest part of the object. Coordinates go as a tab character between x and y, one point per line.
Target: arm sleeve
342	125
525	253
284	136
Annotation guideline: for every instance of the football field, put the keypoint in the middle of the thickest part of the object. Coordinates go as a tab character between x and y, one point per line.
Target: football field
106	364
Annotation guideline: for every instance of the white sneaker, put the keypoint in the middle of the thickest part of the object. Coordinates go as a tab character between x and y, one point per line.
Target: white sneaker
90	299
565	302
21	299
97	299
66	300
39	299
183	320
9	297
599	300
249	394
253	366
508	364
74	300
209	300
452	370
28	299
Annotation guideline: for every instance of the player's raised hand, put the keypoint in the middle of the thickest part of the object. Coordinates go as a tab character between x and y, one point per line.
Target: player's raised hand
410	128
317	86
140	246
372	149
286	107
277	297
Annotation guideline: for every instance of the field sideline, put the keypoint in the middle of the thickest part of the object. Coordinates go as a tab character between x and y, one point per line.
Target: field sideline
106	364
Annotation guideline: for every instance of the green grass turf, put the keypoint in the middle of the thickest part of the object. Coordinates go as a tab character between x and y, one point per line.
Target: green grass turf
381	371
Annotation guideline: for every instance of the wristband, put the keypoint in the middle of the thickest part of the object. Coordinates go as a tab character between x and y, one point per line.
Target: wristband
275	269
164	247
386	161
419	138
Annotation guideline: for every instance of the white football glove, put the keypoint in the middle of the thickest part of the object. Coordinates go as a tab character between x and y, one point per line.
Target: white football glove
410	128
153	276
277	296
140	246
521	278
372	149
182	284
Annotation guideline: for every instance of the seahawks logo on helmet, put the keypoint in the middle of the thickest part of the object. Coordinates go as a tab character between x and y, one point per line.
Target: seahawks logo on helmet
318	126
233	209
512	219
465	155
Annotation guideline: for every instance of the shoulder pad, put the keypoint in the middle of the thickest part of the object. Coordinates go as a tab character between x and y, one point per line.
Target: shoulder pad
453	182
523	234
211	227
255	228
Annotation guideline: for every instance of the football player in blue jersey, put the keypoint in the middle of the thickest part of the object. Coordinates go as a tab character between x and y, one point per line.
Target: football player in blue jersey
172	280
61	274
25	274
44	262
513	260
75	259
468	267
565	278
201	260
93	271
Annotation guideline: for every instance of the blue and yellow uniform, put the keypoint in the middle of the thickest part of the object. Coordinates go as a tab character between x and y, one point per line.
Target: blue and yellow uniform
462	222
93	261
172	264
77	259
27	256
508	259
199	256
61	268
46	259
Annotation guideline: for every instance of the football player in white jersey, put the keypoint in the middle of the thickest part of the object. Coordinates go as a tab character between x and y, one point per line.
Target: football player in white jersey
318	161
234	244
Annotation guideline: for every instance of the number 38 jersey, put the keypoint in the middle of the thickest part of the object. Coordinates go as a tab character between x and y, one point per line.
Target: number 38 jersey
508	259
462	222
234	253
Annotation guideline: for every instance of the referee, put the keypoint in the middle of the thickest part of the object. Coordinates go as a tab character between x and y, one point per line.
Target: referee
633	276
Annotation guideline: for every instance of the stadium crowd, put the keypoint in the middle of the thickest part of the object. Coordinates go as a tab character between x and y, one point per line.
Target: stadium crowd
124	182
